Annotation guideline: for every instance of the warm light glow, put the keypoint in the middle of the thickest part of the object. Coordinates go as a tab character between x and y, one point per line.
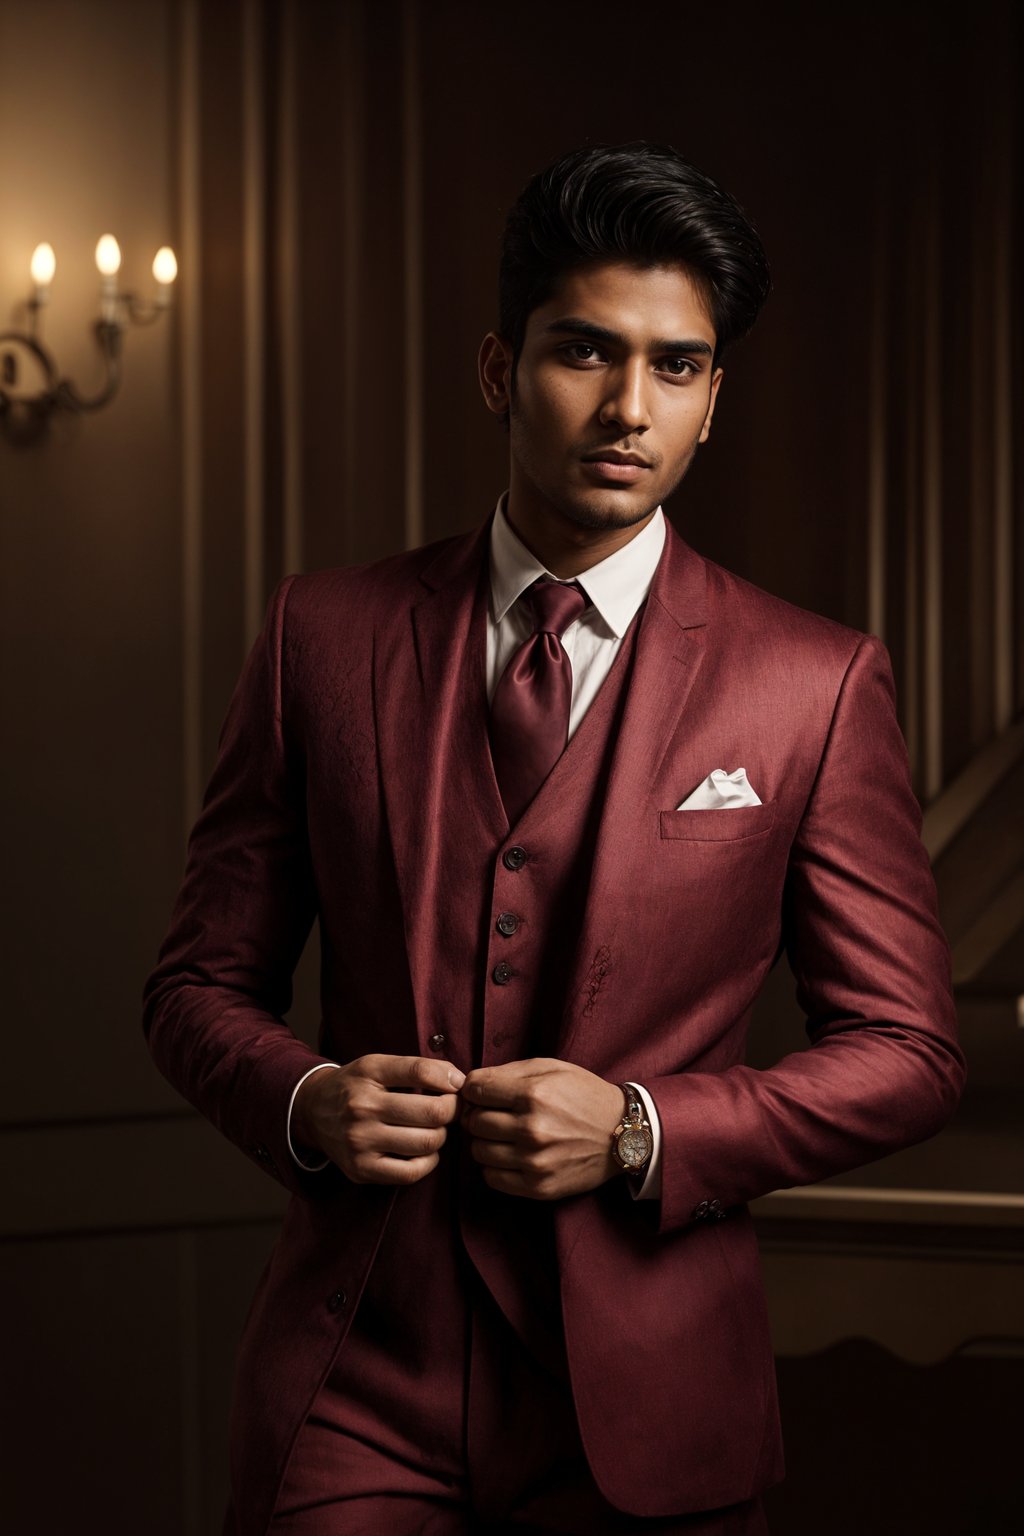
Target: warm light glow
108	256
165	265
44	264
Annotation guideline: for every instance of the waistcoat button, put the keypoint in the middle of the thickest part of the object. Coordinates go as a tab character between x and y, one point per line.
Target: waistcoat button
335	1301
437	1042
502	974
514	858
507	923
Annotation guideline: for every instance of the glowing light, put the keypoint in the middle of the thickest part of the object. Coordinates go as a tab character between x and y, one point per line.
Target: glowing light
165	265
108	256
44	265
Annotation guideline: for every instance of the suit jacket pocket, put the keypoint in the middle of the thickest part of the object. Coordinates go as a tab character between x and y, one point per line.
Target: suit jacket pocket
719	826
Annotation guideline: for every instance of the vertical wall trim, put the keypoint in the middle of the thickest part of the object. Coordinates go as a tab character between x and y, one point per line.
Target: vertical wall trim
1001	215
877	444
912	492
982	573
189	321
288	308
189	1385
931	506
254	347
413	253
350	108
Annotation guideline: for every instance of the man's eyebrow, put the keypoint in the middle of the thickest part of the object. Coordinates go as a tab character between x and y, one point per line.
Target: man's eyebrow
571	325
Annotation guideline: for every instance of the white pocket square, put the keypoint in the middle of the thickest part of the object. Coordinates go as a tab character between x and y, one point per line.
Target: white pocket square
721	791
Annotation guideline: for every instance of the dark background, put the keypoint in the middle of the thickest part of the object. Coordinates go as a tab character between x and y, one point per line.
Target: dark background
333	177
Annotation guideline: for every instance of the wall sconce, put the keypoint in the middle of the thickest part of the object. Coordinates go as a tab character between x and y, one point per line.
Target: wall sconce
24	413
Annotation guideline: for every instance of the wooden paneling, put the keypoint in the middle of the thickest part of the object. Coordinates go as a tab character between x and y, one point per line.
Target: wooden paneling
877	1445
141	1175
118	1353
90	553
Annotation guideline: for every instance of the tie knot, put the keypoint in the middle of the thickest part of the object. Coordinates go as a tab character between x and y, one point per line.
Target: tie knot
555	606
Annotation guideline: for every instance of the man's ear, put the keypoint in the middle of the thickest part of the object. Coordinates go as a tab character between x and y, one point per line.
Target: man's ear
705	431
494	366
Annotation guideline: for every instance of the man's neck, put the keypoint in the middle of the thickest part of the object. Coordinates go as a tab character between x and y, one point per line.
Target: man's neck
565	549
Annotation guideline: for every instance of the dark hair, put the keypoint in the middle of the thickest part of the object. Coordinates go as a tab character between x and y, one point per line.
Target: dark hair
640	203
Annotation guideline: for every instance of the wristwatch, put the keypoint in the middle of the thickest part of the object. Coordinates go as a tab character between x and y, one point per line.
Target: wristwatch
633	1139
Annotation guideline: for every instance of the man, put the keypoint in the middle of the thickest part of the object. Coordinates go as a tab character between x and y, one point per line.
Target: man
559	792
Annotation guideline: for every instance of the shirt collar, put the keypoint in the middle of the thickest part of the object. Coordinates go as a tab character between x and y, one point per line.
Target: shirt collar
616	586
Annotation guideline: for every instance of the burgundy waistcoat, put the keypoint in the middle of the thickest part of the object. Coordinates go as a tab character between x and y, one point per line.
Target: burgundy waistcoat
507	929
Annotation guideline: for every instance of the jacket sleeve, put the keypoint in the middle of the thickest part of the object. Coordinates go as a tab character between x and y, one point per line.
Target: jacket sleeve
212	1008
872	970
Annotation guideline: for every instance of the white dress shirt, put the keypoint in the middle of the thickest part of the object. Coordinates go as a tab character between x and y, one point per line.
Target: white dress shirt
614	588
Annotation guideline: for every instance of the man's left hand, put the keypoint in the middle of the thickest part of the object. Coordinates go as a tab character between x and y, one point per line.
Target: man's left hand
541	1128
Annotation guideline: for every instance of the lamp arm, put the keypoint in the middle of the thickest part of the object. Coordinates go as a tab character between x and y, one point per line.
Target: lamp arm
46	396
109	335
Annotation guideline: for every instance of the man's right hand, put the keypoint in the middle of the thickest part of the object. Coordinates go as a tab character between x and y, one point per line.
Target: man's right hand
381	1119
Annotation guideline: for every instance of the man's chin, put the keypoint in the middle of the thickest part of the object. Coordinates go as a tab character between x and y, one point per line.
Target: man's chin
606	511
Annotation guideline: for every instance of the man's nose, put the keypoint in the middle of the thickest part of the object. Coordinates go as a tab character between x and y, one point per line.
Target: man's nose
626	404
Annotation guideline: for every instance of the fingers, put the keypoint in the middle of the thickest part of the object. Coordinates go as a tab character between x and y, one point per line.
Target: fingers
504	1168
495	1125
540	1129
493	1088
372	1140
393	1170
404	1090
420	1073
415	1108
369	1152
499	1154
384	1121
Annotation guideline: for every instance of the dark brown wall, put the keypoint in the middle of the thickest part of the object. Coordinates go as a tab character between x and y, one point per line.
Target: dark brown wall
333	174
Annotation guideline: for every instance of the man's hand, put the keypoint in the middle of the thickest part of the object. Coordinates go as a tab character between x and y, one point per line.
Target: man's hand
375	1134
542	1128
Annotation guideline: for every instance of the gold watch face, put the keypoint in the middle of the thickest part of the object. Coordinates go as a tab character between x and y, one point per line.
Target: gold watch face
635	1147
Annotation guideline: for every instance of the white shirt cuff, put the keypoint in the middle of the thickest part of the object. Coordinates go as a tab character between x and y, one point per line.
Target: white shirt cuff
650	1189
309	1167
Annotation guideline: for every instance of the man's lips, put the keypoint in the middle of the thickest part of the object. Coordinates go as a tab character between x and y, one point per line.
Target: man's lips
613	465
616	456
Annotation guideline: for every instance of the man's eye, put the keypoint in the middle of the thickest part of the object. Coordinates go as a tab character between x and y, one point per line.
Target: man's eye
678	367
580	352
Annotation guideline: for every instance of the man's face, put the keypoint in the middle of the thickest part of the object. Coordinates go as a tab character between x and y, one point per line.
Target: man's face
613	392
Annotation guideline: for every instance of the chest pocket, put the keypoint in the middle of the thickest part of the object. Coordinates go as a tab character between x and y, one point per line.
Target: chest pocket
718	826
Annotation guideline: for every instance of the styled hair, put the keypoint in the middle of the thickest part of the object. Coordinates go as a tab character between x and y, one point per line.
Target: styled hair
640	203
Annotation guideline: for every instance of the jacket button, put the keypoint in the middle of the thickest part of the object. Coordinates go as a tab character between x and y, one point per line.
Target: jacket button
335	1301
715	1212
437	1042
507	923
514	858
700	1212
502	974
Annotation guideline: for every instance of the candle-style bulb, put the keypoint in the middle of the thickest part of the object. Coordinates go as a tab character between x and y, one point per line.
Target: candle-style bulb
108	256
165	265
44	265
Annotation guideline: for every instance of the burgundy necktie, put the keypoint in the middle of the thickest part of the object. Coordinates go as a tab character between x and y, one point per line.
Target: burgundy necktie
530	707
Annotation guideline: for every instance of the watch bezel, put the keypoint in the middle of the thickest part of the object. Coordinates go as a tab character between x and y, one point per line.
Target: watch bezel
641	1133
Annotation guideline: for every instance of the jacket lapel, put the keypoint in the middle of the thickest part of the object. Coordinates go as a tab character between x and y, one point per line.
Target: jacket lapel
431	708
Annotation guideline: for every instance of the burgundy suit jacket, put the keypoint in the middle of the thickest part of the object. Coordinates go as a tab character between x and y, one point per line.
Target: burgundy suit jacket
348	725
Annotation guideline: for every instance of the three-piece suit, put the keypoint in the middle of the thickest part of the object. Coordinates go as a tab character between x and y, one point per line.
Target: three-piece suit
354	785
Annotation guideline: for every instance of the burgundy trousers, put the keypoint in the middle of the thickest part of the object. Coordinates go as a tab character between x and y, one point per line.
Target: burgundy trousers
436	1418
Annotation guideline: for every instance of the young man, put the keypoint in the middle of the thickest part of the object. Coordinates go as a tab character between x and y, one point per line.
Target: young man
560	792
